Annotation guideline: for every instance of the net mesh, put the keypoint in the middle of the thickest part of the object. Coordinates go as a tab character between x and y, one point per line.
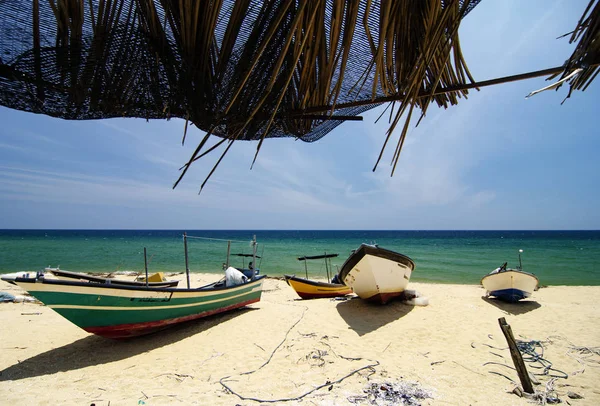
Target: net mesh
241	70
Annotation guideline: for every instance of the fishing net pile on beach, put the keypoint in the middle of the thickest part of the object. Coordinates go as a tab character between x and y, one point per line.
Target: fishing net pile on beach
400	393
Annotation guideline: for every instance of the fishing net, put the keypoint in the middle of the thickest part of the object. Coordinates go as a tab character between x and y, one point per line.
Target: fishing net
238	69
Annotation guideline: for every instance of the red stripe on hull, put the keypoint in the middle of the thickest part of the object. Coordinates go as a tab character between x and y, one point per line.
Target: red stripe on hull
138	329
304	295
383	298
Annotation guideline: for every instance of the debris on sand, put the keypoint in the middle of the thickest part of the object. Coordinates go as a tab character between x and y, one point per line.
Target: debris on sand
400	393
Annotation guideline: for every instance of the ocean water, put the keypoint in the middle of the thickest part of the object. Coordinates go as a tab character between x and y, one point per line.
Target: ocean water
556	257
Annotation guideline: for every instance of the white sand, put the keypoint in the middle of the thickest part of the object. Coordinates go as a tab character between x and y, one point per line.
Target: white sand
300	344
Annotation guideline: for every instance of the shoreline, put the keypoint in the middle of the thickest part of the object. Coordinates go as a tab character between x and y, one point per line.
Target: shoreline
453	349
440	256
207	275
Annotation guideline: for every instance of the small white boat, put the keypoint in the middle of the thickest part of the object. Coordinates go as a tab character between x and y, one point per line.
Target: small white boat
376	274
510	285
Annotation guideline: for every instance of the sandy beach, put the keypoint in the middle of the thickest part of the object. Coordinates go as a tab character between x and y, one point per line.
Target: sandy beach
283	348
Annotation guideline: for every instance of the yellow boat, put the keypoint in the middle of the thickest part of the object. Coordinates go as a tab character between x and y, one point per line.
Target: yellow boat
309	289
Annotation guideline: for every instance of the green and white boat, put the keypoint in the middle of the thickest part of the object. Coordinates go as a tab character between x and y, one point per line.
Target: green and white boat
119	311
125	311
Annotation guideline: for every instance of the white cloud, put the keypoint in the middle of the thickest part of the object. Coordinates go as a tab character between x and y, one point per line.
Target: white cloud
13	147
327	184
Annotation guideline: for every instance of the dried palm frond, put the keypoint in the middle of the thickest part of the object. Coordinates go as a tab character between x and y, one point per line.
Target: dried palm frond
244	69
586	56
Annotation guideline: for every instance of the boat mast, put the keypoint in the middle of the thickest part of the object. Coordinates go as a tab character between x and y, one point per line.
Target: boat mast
187	268
306	268
520	264
228	253
146	266
253	256
327	267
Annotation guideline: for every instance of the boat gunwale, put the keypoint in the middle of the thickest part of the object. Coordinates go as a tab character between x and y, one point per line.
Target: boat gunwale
315	283
509	271
313	257
206	288
60	273
368	249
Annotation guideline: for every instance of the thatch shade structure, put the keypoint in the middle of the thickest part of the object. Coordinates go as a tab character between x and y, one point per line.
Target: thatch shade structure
246	69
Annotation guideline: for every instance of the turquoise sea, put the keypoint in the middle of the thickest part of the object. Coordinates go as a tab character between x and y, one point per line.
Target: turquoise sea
556	257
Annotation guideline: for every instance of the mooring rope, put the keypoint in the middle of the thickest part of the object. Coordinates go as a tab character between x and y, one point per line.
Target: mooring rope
537	361
528	350
216	239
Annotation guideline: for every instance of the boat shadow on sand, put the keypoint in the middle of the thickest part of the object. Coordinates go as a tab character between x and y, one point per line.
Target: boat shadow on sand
94	350
364	317
517	308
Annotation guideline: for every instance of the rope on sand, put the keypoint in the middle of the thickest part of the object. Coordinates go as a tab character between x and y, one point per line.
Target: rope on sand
536	360
585	356
328	383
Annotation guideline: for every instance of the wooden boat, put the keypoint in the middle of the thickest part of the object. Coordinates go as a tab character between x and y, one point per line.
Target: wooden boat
310	289
510	285
119	311
376	274
67	275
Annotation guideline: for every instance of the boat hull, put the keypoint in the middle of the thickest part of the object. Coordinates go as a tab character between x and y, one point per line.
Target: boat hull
126	311
376	274
308	289
510	285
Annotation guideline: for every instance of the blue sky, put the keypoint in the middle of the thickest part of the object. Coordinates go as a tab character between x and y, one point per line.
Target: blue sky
495	161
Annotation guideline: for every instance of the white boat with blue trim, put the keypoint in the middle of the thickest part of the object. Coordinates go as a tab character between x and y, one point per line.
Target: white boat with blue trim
510	285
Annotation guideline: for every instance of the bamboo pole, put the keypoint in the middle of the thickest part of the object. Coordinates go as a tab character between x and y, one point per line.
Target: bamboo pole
187	268
253	256
306	268
228	253
441	90
146	266
327	266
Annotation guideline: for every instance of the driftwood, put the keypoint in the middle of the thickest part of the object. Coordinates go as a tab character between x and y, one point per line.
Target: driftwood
516	356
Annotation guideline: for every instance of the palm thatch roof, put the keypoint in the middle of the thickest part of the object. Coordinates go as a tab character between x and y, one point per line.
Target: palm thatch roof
247	69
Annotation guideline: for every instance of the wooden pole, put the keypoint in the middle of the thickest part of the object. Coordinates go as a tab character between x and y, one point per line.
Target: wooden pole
306	267
228	254
516	356
327	267
146	266
253	256
187	268
425	93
